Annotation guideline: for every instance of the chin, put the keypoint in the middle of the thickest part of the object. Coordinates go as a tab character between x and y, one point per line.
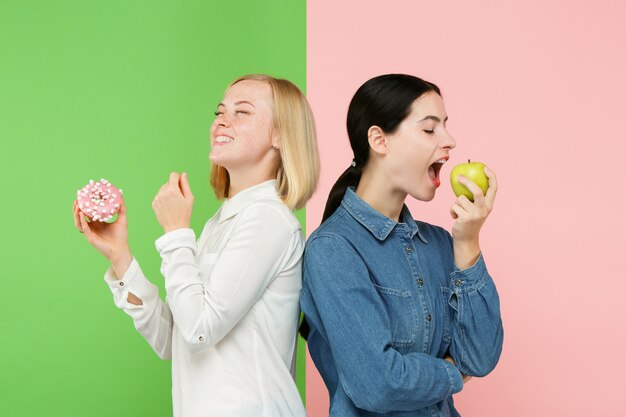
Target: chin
215	159
422	195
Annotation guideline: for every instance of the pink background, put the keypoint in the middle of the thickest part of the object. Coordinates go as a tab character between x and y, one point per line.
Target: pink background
536	90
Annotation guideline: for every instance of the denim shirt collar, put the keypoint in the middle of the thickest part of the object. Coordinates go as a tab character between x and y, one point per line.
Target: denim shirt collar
374	221
232	206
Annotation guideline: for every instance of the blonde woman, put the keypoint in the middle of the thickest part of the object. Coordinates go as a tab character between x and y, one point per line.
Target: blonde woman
231	317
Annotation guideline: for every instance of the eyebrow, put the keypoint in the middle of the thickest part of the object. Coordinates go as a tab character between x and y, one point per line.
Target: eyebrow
435	118
239	102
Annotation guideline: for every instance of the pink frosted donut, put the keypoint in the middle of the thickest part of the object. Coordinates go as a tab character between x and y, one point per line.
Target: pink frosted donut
100	201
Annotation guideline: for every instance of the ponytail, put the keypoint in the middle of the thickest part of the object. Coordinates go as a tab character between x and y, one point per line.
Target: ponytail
349	178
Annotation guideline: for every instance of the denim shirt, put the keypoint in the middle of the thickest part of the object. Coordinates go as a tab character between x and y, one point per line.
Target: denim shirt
385	304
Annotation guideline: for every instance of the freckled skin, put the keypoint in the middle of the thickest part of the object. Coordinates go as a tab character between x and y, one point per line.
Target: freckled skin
250	125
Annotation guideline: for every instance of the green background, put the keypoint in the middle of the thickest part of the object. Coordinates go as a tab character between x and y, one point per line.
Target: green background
123	90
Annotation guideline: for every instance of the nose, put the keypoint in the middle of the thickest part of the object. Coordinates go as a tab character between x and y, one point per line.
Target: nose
221	120
448	141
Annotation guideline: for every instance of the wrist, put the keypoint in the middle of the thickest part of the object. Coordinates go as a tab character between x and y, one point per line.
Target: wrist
172	228
466	253
120	254
120	262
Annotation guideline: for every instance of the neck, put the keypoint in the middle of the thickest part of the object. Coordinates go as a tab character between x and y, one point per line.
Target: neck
375	191
243	179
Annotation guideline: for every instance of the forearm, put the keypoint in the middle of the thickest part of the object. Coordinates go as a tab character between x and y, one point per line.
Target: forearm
187	298
477	332
151	316
403	382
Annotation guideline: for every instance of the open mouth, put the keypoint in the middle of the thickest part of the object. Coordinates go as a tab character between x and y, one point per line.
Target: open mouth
433	171
222	140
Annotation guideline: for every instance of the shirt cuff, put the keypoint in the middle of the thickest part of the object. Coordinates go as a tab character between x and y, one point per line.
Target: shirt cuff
183	237
470	278
456	379
133	281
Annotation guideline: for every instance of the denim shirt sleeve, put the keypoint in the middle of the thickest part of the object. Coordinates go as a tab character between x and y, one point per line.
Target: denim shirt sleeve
476	325
374	375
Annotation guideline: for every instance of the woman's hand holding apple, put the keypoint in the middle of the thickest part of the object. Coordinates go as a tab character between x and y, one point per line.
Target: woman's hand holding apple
470	216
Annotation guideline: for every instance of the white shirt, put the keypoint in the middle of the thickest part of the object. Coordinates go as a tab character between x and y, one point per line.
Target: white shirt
231	318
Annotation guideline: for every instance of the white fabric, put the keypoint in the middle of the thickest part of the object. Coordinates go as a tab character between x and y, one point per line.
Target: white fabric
231	317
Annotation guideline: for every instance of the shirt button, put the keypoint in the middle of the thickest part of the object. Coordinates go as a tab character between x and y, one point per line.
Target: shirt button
429	317
121	283
419	282
201	338
409	249
458	282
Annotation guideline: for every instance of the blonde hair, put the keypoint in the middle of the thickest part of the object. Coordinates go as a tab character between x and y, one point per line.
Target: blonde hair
299	158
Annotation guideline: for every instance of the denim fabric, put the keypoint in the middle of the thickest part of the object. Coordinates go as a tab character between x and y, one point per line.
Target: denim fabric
385	303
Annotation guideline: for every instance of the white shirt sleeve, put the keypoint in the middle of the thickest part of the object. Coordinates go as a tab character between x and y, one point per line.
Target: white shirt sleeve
205	312
153	318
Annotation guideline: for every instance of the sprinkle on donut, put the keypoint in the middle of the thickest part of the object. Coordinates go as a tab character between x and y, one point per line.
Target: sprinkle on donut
99	201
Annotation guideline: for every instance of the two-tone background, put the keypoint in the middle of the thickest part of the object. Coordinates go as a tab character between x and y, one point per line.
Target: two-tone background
126	89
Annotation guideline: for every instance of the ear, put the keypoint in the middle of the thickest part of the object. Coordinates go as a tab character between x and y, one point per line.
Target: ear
377	140
275	138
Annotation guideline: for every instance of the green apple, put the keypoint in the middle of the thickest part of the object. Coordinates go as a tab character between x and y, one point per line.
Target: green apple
475	172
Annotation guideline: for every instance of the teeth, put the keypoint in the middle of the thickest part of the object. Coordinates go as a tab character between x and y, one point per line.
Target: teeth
222	139
441	161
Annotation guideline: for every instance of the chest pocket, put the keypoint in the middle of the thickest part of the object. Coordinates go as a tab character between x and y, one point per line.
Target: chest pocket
206	263
402	314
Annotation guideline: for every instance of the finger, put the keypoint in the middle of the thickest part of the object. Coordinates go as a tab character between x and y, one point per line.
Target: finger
479	198
184	186
457	211
453	214
84	226
174	178
122	210
76	217
493	186
121	213
465	202
160	191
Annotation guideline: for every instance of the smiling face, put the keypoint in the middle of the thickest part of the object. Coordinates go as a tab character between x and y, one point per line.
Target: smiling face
418	148
242	134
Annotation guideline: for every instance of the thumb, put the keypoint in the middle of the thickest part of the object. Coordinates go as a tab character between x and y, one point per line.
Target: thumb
453	213
184	186
86	229
122	210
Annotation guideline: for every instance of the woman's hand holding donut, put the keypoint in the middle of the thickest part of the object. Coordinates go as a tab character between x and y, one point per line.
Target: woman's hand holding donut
173	203
470	217
110	239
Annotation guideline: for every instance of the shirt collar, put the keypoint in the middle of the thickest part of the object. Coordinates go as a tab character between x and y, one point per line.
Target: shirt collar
374	221
232	206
